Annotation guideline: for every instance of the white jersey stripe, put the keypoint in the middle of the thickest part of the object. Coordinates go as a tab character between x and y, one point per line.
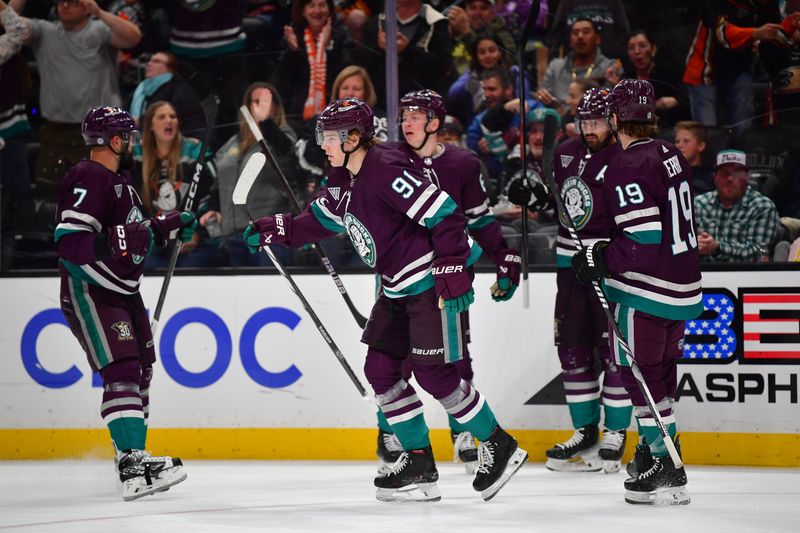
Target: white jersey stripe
650	295
77	215
433	209
423	198
645	226
658	282
639	213
409	267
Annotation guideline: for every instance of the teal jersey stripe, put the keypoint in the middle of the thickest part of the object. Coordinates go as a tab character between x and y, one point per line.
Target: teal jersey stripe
645	237
17	128
563	261
77	273
327	222
85	309
474	254
447	209
452	327
668	311
182	51
482	222
58	233
415	288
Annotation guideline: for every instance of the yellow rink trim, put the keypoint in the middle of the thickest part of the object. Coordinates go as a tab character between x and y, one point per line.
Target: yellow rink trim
743	449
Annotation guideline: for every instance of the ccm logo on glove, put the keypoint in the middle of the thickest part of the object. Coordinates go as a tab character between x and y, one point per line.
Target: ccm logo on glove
449	269
121	244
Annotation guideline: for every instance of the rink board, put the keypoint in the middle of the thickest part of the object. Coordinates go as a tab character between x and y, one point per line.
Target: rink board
244	374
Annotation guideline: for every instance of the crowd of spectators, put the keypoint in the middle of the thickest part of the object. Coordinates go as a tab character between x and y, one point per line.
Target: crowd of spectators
726	75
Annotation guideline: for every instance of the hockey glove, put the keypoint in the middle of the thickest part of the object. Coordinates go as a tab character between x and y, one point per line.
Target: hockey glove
453	284
268	230
529	192
508	262
589	264
165	225
135	238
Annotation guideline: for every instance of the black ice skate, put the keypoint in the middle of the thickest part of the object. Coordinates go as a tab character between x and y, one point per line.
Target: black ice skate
661	484
643	460
578	454
611	449
389	450
499	458
464	450
142	474
412	478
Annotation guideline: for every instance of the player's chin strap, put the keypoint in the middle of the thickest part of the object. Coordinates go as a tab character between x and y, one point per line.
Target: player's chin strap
347	154
613	129
425	140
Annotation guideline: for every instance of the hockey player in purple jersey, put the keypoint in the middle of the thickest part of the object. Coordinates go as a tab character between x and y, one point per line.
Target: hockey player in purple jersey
412	234
458	172
102	240
580	324
651	272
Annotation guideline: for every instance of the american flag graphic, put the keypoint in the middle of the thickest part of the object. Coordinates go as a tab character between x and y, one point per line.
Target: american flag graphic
711	336
771	325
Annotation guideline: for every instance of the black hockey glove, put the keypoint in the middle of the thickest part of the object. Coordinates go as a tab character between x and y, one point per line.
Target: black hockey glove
135	238
589	264
530	193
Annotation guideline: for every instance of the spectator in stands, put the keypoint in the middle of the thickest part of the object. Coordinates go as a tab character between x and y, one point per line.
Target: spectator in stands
317	48
166	162
608	17
735	223
782	63
209	35
352	81
492	132
269	196
691	138
452	132
14	175
76	58
584	61
465	97
672	103
424	50
477	17
718	67
163	83
574	95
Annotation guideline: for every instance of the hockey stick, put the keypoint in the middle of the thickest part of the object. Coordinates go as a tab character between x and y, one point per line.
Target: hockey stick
249	174
210	104
323	257
547	163
523	143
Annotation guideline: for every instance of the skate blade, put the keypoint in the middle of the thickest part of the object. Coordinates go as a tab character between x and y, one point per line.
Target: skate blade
514	463
133	489
418	492
578	463
612	467
663	496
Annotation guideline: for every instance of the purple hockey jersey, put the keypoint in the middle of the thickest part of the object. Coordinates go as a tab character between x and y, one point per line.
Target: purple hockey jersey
397	220
92	199
652	256
457	171
579	175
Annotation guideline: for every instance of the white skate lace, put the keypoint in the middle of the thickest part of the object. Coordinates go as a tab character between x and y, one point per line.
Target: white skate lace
392	443
612	440
400	464
574	440
653	469
464	441
485	457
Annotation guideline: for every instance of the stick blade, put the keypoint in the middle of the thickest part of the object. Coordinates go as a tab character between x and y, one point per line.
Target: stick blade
248	176
251	123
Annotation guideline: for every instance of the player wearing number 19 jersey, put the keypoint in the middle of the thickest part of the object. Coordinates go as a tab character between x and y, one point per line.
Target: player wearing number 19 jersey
651	271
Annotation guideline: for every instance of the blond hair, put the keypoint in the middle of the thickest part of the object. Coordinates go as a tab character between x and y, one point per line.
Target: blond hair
370	96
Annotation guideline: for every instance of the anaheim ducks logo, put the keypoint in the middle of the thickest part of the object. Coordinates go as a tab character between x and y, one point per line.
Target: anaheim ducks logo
578	201
361	238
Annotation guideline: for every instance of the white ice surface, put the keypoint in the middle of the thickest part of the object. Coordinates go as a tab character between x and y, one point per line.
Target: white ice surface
80	496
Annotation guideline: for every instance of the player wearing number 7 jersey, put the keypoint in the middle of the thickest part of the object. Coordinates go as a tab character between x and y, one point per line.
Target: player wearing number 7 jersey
413	235
651	270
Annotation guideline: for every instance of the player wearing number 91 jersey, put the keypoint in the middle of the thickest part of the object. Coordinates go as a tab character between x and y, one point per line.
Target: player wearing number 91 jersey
651	271
413	235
